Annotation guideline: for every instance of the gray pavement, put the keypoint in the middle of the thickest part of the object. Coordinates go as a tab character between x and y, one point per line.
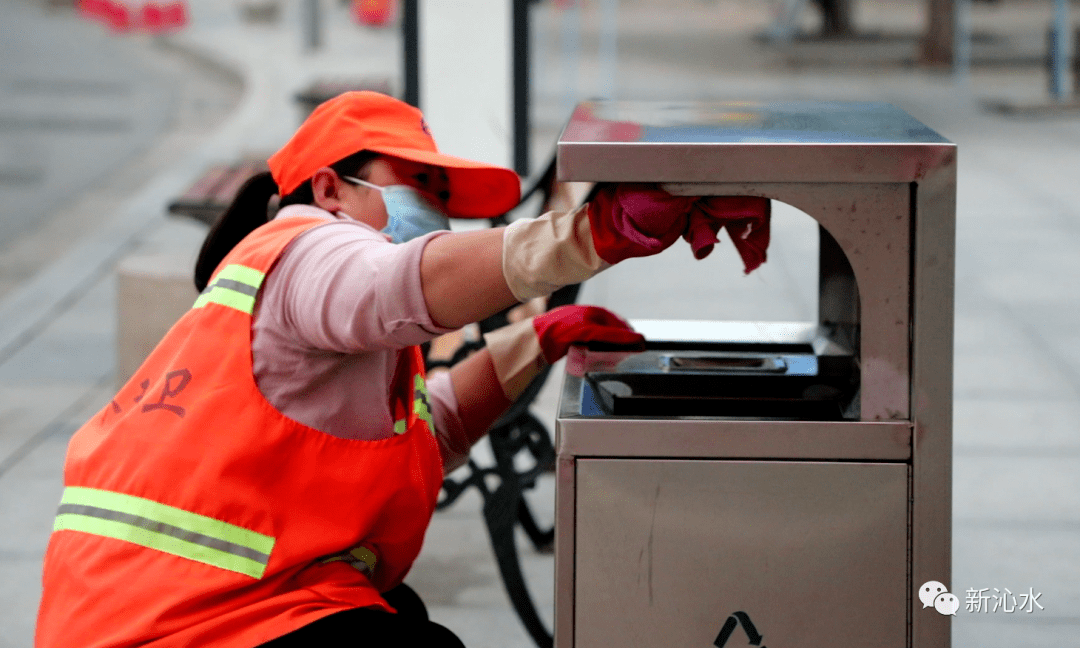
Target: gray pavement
1017	394
84	118
75	105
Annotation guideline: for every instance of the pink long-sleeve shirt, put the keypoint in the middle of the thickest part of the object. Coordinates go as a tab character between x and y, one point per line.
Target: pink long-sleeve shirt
334	313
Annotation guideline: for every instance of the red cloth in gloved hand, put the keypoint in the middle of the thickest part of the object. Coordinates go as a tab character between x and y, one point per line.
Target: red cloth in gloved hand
746	219
561	327
636	220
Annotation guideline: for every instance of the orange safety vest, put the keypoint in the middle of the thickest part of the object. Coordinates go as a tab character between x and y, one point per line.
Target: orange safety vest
196	514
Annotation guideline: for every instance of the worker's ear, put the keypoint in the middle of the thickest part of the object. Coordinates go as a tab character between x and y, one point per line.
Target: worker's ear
326	187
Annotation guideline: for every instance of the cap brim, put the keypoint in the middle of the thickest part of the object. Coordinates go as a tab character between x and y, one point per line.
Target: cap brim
477	190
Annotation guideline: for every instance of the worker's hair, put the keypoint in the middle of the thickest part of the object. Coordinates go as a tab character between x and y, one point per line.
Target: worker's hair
251	208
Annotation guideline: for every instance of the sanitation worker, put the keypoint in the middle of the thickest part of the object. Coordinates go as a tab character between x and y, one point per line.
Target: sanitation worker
266	477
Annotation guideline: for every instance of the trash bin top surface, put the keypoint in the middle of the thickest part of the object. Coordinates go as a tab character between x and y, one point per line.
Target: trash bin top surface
798	141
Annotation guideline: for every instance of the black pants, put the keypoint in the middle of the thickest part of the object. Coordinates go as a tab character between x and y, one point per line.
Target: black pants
366	627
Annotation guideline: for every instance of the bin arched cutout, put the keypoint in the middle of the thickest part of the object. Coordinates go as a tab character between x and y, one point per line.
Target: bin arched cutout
804	300
865	275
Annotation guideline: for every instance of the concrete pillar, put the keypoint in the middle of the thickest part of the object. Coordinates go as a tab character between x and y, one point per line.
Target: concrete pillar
153	291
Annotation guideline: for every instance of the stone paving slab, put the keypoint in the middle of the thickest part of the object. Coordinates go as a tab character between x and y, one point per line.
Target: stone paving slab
29	494
1040	424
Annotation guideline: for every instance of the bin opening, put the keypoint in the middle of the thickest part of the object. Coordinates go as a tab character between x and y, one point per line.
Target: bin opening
724	381
731	345
723	363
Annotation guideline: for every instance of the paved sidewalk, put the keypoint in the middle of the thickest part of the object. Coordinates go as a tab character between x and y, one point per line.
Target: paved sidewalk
1017	470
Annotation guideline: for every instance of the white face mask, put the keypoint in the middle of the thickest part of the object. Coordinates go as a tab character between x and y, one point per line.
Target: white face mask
409	214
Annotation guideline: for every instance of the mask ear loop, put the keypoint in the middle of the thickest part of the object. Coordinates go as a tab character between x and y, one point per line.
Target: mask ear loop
382	190
362	183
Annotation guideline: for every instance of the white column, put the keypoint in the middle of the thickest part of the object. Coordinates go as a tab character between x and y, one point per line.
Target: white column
466	77
609	51
570	37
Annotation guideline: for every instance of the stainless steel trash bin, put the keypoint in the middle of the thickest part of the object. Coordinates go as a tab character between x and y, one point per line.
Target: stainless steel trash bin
780	484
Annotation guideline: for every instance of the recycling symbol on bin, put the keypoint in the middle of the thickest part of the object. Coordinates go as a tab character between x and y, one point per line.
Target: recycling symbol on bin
733	622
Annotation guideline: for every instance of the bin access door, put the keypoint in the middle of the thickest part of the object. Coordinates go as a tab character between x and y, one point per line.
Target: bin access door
814	554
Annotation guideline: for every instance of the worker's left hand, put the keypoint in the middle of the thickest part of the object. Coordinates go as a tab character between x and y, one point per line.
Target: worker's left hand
562	327
520	351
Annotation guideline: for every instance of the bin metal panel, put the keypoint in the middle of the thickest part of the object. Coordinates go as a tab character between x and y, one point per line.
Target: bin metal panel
815	554
932	380
693	438
799	141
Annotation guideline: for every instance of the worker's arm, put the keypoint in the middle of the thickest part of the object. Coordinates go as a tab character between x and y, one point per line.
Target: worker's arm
462	279
481	401
487	382
468	276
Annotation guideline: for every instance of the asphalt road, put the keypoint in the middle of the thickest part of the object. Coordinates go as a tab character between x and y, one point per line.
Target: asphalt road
81	110
76	102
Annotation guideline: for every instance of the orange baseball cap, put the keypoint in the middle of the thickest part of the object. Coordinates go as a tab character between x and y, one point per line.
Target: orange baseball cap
356	121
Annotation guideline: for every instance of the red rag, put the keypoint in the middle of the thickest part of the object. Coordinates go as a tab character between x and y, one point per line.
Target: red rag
746	219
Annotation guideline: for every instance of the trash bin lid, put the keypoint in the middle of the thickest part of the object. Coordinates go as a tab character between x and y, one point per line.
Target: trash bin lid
795	141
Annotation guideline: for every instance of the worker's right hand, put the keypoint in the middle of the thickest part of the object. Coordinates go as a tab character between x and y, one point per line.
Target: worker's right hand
636	220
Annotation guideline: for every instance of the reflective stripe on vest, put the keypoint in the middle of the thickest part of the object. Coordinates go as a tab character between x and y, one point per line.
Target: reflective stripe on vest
359	558
422	402
164	528
421	407
235	286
